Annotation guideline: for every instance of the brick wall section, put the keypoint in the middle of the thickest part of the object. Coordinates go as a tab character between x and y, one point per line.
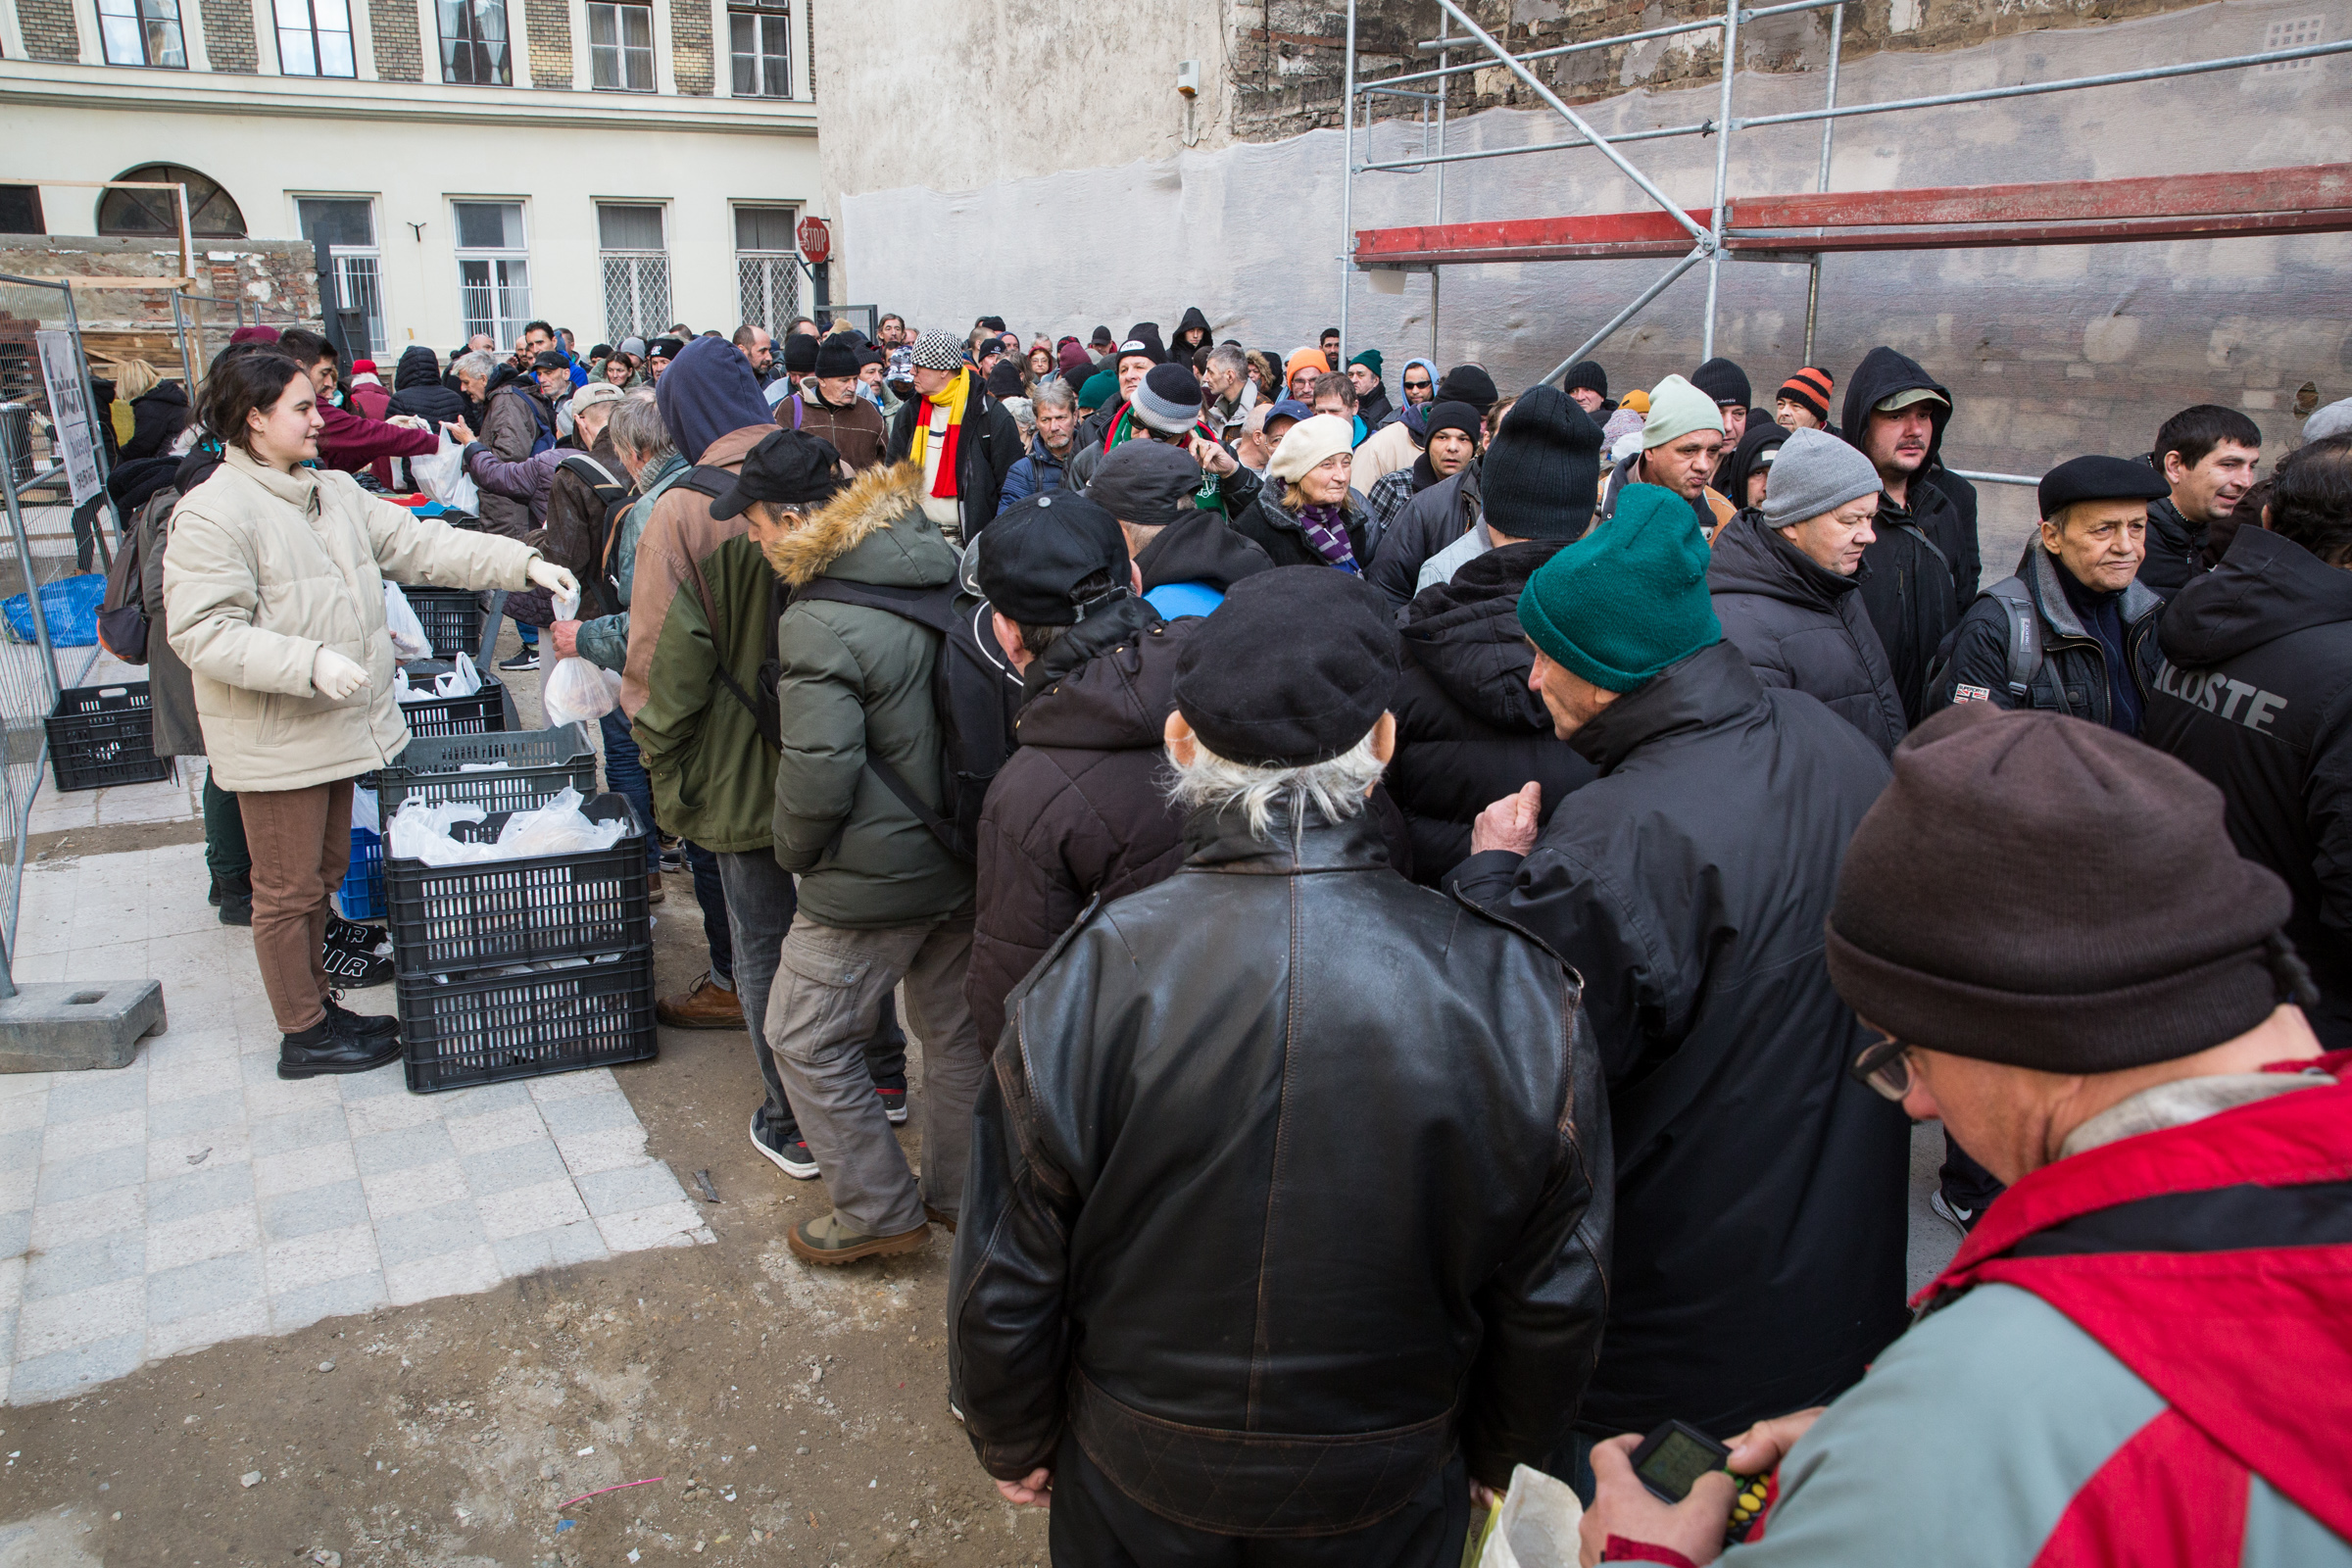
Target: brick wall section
1288	55
399	54
550	25
49	29
229	38
690	62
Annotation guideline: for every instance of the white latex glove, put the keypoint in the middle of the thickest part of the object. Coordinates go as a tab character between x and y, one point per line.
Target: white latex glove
545	573
334	676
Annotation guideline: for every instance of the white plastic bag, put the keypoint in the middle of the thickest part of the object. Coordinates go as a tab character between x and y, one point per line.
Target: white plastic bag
463	681
420	832
442	475
409	640
1536	1526
576	691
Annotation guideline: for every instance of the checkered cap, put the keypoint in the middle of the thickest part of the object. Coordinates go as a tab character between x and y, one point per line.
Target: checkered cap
936	351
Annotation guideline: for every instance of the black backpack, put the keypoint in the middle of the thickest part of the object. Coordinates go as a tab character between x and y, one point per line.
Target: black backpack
973	696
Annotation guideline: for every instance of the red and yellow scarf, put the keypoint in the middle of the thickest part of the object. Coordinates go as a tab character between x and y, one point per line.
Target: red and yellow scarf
952	398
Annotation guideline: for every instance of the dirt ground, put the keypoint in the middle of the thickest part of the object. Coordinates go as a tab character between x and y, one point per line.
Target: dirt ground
778	1414
789	1415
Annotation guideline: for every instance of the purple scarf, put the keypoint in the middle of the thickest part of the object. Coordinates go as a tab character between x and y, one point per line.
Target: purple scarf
1327	530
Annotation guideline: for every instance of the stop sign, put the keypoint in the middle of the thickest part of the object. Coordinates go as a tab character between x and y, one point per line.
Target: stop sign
817	240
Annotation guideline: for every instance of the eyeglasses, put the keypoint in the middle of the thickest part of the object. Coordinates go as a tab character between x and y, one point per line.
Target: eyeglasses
1416	386
1885	1068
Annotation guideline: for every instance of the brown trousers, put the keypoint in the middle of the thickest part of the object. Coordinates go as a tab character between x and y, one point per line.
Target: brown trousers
301	842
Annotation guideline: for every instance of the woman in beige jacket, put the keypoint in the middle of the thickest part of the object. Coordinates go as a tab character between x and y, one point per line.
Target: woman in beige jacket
273	593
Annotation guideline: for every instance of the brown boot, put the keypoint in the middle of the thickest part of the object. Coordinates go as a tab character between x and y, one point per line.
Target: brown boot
708	1005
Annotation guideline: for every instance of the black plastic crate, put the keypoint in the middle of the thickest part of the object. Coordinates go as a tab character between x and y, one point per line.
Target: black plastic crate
452	618
101	735
540	763
482	714
451	919
486	1029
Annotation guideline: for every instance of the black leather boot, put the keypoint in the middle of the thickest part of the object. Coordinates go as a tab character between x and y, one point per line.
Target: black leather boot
331	1046
233	895
365	1025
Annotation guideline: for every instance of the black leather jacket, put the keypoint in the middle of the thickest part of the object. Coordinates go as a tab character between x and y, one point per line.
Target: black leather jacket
1291	1178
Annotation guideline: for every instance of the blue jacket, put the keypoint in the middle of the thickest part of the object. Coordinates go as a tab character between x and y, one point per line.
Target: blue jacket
1036	475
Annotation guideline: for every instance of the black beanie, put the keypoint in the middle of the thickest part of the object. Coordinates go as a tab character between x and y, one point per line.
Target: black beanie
1542	474
837	357
800	353
1004	379
2087	910
1453	416
1467	383
1588	374
1294	667
1724	383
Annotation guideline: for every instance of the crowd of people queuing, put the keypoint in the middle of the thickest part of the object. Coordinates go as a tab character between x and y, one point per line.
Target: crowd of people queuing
1427	918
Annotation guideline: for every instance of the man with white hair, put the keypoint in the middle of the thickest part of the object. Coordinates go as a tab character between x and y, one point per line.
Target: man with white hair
1321	1074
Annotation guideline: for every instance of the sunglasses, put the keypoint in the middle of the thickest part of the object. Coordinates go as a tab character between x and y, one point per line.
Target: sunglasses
1416	386
1885	1070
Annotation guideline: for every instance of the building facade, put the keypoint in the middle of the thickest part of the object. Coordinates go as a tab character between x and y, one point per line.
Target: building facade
607	165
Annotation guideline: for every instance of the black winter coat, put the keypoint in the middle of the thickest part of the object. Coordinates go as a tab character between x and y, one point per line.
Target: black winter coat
1284	1145
1432	519
157	421
1909	594
1077	812
1760	1191
416	389
1948	517
1802	626
1468	730
1200	547
2073	679
986	448
2175	551
2253	689
1265	524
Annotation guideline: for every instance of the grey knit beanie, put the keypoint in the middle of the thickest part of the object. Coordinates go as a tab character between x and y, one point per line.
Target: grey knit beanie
1168	399
1815	474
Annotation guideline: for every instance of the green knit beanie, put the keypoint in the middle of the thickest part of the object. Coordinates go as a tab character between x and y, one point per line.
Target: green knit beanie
1629	598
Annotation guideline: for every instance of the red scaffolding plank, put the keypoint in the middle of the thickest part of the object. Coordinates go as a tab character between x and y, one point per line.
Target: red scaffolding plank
2316	198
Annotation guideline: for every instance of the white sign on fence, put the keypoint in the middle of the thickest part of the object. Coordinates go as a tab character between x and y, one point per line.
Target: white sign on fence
70	410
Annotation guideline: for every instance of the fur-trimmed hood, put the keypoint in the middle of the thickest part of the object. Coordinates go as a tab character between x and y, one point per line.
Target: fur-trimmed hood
873	532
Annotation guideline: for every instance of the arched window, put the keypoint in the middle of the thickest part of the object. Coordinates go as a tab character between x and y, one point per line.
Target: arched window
134	214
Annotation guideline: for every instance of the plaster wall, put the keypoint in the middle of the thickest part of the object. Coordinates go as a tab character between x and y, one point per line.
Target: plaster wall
2051	352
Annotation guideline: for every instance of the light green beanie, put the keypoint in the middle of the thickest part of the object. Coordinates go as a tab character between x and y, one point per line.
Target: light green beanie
1676	408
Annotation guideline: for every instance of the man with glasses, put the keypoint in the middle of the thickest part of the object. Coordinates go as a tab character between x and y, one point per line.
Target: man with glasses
2140	1355
1761	1201
1419	382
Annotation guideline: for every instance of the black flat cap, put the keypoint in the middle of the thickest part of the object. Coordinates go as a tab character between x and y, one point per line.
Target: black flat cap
1038	551
1145	482
790	468
1294	669
2098	479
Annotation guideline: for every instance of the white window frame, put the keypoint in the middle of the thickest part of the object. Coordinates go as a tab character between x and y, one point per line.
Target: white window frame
652	49
504	331
313	33
788	17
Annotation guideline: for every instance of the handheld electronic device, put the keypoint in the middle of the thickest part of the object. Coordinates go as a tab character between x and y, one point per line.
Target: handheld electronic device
1672	1458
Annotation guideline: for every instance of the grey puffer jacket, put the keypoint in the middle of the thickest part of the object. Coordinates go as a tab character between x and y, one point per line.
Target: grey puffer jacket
1805	628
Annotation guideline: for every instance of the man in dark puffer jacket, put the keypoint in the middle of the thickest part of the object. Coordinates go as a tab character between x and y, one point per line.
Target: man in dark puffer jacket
1076	814
416	389
1468	729
1785	578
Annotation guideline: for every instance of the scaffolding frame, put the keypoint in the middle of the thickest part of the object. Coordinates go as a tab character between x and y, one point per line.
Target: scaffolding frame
1709	233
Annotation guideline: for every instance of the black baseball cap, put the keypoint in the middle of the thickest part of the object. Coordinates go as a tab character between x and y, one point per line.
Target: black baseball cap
790	468
550	360
1038	551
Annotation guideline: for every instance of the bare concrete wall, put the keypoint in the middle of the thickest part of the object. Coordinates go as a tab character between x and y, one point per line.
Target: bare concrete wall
2052	352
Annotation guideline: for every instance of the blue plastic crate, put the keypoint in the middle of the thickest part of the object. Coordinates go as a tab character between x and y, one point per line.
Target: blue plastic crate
361	894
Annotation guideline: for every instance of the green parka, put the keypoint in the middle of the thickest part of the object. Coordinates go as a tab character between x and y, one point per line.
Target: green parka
855	679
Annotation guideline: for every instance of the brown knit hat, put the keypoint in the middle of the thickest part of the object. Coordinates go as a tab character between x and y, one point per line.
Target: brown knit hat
2046	893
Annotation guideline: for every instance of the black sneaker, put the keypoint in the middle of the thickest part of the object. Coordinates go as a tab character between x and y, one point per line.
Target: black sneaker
791	1157
355	971
367	1025
893	1091
354	937
528	659
330	1046
236	908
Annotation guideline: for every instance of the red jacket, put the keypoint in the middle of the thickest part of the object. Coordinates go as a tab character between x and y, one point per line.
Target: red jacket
350	442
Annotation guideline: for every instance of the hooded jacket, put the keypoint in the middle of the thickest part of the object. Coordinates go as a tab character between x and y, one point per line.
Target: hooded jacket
267	567
1745	462
1193	318
1468	730
1077	812
2254	691
157	416
2075	674
1924	564
1761	1227
1200	547
1290	1183
855	680
1802	626
1431	521
417	388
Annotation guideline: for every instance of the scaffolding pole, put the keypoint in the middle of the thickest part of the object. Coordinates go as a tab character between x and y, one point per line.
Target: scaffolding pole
1724	126
1821	181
